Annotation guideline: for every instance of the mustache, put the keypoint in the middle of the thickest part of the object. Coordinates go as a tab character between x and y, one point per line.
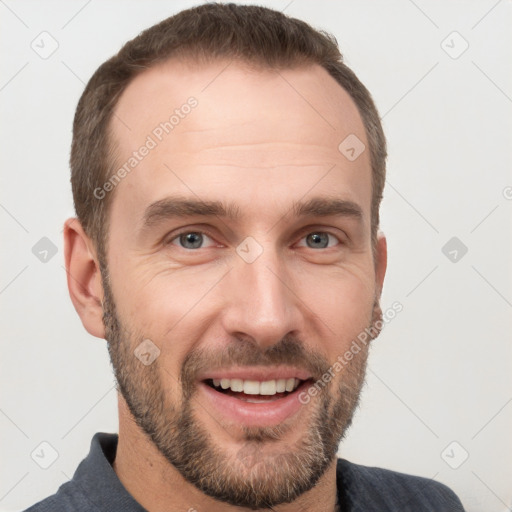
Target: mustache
245	351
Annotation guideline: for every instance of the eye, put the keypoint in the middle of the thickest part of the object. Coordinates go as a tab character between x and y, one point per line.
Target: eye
190	240
320	240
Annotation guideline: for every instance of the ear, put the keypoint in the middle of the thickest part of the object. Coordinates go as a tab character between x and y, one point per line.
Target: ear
381	261
84	278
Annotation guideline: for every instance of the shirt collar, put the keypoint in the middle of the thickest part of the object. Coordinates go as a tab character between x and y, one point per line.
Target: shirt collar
98	481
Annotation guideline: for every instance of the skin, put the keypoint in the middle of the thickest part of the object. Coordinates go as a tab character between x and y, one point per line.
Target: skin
263	140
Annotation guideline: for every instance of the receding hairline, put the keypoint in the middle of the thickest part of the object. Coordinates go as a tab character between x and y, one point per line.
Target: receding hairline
186	60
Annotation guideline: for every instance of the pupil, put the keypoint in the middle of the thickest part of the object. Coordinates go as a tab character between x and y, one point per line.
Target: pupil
191	240
319	239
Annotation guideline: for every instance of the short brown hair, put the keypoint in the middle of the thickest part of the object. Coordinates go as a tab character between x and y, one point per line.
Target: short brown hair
253	34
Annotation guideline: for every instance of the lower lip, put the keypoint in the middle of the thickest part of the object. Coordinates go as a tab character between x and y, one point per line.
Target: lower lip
253	414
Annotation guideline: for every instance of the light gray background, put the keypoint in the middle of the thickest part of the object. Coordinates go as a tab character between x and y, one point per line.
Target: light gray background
441	370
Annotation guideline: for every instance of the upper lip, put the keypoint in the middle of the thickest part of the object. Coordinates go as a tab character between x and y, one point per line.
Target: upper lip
258	374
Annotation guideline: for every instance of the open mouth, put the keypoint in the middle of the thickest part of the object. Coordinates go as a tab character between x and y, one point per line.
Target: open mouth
255	391
253	397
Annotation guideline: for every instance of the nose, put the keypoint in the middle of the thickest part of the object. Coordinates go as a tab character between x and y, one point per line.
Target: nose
260	301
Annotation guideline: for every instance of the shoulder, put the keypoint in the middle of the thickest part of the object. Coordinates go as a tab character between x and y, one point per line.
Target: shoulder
68	498
370	488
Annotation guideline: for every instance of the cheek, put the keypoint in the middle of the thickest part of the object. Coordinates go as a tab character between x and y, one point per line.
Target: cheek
175	307
169	307
342	299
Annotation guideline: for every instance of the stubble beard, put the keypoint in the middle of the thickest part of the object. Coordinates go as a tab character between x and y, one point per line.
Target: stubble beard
252	477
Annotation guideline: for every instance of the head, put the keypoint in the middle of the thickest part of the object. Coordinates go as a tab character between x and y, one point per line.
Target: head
223	229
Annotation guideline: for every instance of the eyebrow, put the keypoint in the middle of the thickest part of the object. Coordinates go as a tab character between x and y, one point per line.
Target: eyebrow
326	207
176	206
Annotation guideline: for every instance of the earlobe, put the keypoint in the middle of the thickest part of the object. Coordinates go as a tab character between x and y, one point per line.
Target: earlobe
83	277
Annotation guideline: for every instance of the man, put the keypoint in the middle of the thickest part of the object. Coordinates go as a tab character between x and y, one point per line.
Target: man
227	172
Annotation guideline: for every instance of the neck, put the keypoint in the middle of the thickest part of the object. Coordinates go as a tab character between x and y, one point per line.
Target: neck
159	487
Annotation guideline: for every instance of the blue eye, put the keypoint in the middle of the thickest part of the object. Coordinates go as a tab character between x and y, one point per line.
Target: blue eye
319	240
191	239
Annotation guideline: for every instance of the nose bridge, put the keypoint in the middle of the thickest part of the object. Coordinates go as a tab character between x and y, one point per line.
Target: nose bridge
260	302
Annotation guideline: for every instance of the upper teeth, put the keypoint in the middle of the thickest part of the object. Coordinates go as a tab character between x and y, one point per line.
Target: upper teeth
255	387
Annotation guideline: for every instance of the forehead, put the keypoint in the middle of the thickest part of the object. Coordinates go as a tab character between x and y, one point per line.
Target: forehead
231	94
225	128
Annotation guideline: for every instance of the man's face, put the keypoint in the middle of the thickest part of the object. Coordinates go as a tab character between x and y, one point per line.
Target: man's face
276	292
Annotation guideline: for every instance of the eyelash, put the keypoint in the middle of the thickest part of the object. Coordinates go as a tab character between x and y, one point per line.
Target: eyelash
200	232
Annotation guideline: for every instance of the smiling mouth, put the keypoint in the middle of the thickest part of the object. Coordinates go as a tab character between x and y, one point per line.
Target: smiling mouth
256	391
